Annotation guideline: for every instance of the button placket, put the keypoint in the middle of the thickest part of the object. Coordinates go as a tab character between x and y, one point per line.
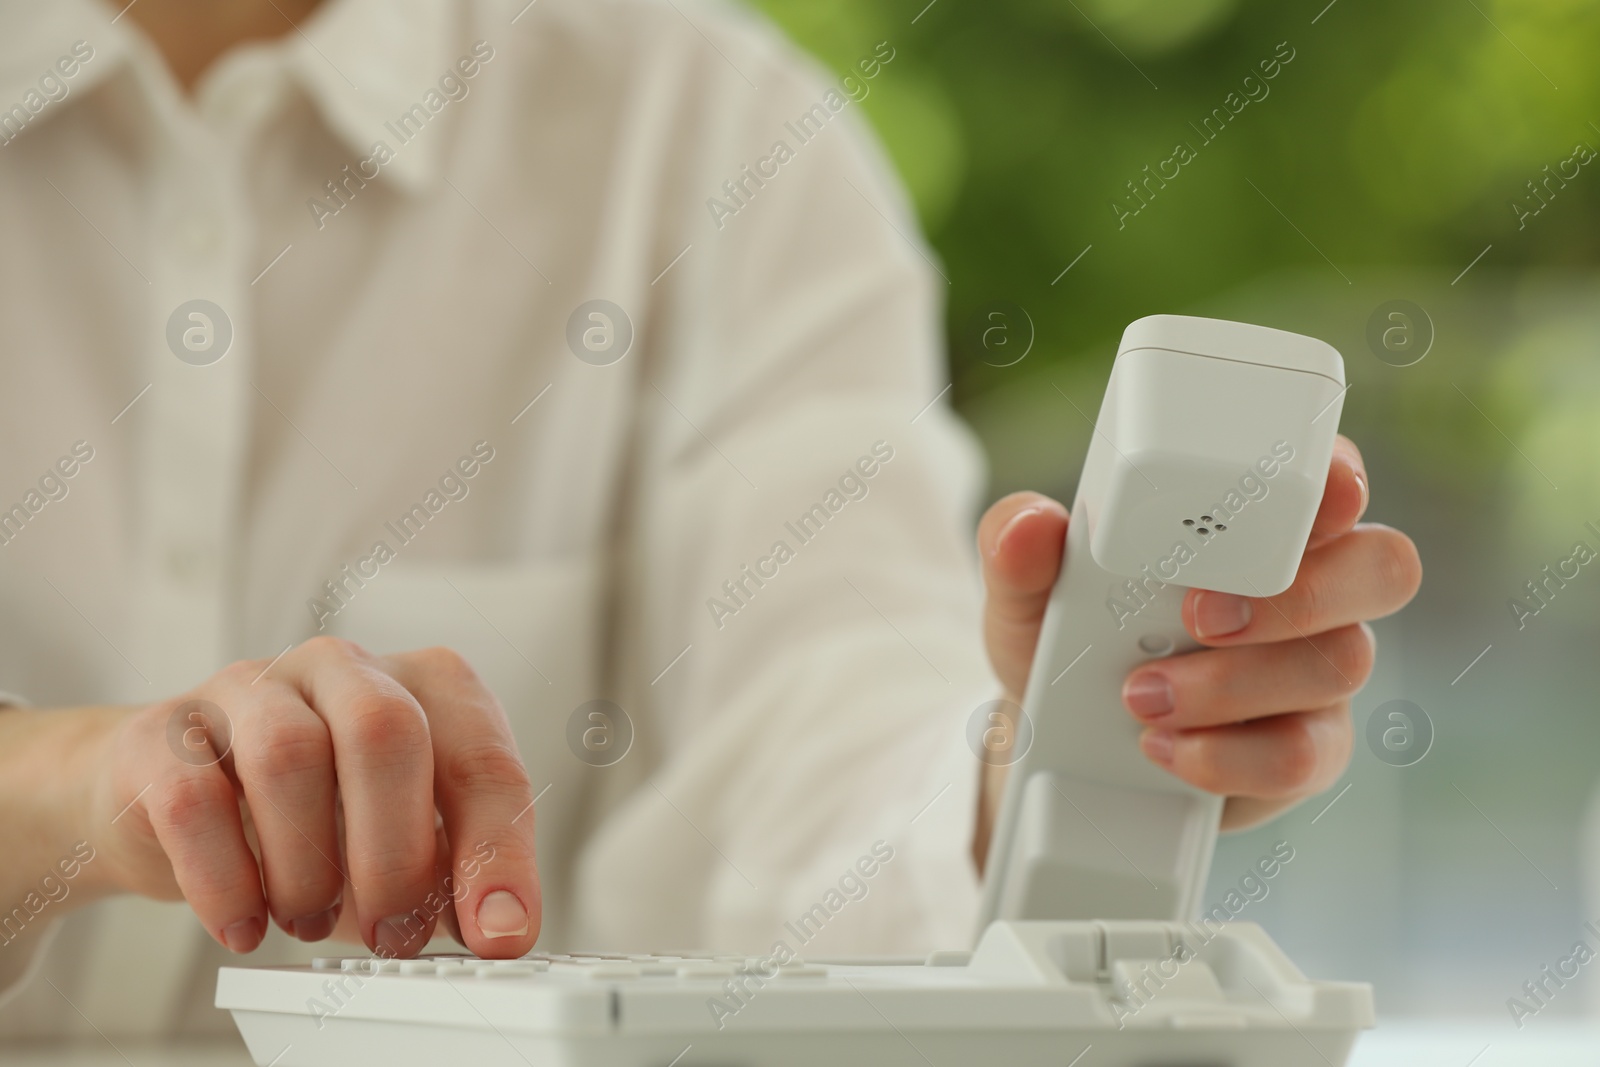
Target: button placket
195	428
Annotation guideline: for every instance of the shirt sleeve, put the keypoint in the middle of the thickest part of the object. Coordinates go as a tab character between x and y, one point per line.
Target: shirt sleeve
21	955
800	593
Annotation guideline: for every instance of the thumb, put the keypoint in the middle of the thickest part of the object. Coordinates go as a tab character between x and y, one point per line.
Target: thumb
1019	540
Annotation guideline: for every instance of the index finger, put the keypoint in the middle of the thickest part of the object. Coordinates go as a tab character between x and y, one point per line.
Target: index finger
486	801
1344	497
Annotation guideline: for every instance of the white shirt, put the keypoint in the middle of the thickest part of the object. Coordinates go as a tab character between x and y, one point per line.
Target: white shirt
785	344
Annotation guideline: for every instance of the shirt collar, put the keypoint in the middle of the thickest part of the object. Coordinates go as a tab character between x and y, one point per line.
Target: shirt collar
34	37
362	63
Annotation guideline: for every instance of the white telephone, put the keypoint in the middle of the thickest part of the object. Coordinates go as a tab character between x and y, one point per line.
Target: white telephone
1206	470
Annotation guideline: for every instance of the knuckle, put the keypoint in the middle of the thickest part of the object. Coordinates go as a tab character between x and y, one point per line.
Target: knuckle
1400	567
1198	763
147	728
284	748
446	663
386	725
1309	598
312	879
188	803
1353	654
242	670
1340	742
1296	755
335	648
299	888
486	767
1203	684
398	868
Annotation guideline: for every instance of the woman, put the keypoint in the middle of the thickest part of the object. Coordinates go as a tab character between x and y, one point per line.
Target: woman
594	341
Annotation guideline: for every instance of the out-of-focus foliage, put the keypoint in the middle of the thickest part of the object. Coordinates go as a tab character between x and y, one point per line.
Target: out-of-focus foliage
1393	146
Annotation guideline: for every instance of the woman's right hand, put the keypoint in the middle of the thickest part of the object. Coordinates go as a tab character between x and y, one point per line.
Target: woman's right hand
385	788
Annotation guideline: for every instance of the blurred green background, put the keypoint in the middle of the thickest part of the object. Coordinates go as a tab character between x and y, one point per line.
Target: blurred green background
1389	159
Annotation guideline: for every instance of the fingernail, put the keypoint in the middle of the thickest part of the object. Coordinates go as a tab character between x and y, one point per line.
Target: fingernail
244	935
1011	524
1361	483
315	927
1148	695
397	937
1158	746
501	914
1220	614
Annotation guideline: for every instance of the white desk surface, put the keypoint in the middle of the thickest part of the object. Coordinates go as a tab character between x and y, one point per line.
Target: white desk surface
1395	1044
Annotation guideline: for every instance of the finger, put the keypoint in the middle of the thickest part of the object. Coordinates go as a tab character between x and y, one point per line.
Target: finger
283	760
383	759
1283	757
1368	573
1218	686
1019	540
194	814
484	795
1345	496
446	884
1242	813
